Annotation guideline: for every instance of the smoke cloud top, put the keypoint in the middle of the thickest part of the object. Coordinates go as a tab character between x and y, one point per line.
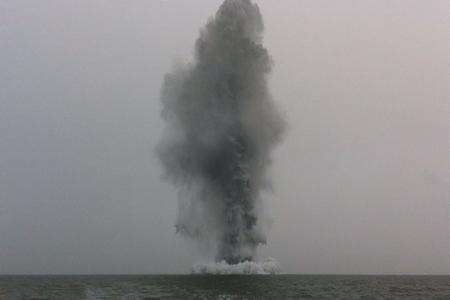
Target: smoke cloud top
221	128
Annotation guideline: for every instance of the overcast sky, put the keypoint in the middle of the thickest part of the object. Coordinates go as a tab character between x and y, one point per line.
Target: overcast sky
362	180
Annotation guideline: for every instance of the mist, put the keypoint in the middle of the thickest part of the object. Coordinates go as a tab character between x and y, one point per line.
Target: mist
360	182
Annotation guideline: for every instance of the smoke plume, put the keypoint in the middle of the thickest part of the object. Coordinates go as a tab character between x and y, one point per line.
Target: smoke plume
221	128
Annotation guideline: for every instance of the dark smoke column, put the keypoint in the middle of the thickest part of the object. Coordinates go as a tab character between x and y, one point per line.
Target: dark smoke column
222	126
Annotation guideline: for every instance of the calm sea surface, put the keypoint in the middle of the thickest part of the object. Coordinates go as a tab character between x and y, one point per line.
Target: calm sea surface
225	287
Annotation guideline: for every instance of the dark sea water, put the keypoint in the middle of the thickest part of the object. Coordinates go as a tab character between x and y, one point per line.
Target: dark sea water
225	287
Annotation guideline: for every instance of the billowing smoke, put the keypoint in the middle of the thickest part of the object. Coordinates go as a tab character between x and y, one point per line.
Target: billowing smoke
221	128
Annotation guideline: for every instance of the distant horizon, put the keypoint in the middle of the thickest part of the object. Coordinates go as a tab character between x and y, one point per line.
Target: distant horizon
188	274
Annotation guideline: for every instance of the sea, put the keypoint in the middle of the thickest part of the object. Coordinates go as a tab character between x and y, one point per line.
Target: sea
224	287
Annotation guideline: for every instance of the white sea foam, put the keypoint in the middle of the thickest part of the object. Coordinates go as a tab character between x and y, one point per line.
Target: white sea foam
268	266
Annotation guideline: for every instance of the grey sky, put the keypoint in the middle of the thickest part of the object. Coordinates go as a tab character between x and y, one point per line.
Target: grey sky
361	180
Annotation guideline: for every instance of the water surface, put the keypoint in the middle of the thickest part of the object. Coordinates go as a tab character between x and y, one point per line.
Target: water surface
225	287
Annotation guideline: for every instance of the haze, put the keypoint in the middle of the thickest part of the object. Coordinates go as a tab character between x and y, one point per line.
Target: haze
361	181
